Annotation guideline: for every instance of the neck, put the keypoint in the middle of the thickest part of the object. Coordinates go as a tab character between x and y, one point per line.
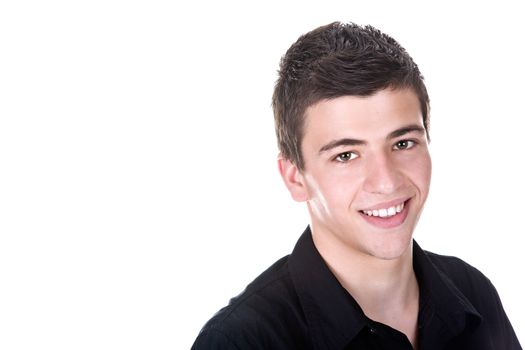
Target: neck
377	285
386	290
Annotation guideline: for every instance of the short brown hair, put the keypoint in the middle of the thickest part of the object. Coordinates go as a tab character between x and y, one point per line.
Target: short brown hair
332	61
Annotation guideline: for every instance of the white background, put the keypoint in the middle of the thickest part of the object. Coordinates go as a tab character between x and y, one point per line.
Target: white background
138	181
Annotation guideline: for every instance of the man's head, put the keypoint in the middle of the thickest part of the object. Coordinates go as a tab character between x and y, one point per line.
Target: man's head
338	60
351	114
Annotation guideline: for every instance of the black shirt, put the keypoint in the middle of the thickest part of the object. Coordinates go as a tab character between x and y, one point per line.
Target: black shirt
299	304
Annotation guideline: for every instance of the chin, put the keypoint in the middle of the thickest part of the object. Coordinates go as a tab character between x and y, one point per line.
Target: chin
387	256
391	249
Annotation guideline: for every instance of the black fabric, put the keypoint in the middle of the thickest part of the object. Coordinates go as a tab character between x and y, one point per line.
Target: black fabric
299	304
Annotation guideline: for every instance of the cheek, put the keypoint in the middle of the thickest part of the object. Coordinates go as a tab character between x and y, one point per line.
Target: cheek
421	170
318	203
316	196
334	192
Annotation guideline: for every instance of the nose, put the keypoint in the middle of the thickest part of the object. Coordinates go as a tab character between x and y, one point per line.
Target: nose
383	175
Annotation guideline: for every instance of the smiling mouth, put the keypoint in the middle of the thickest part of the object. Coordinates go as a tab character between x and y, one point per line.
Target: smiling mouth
385	212
389	217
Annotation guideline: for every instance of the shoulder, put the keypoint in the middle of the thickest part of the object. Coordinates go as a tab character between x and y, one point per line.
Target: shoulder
462	274
476	289
471	282
495	326
257	316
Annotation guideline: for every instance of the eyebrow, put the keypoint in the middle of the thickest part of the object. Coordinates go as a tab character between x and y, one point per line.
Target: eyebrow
356	142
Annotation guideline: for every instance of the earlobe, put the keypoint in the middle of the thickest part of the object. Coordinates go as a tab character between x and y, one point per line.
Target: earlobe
293	179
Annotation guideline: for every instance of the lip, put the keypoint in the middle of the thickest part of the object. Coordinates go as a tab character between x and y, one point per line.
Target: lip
386	205
388	222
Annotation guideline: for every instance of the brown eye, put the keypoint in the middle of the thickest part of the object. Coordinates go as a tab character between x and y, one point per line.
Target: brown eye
404	144
345	157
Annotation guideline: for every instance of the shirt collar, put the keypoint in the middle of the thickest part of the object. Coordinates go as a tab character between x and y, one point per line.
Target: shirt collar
334	318
443	307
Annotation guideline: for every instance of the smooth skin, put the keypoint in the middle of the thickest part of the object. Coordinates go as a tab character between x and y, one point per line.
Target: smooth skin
364	153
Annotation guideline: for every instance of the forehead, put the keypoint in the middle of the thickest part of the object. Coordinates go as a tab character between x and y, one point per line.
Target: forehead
366	118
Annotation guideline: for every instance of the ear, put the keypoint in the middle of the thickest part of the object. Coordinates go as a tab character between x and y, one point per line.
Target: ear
293	179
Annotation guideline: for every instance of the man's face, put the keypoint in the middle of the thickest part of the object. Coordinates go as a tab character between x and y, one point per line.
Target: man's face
367	171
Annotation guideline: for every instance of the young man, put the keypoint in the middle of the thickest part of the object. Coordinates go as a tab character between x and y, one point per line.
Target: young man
352	116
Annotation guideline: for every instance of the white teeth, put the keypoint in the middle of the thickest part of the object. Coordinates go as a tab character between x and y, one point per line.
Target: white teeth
383	213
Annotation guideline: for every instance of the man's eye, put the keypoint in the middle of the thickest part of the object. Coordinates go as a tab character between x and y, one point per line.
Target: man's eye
404	144
345	157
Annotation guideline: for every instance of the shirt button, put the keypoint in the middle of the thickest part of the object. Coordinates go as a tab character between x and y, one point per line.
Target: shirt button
372	330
